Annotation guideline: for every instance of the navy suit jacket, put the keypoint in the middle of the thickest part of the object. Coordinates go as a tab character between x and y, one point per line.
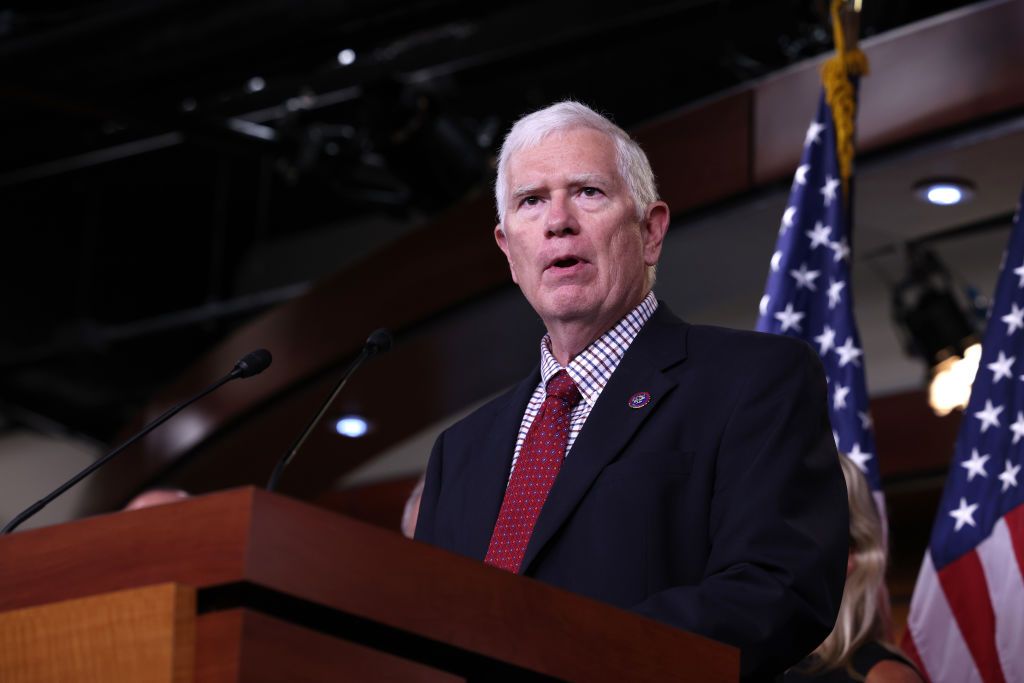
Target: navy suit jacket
719	507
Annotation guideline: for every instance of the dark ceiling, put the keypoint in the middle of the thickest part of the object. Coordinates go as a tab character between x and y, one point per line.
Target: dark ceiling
173	167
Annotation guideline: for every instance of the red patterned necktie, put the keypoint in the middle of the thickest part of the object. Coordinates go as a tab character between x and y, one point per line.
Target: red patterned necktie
535	471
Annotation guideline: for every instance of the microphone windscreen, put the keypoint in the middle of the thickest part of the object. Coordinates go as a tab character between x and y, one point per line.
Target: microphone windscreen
253	363
379	341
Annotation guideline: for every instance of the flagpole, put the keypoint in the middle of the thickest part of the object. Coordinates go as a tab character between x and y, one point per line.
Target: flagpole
846	33
808	293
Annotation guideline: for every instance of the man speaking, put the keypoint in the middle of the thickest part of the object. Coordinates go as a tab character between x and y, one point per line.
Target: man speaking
686	473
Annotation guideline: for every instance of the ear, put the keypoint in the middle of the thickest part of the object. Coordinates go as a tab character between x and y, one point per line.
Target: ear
654	228
502	239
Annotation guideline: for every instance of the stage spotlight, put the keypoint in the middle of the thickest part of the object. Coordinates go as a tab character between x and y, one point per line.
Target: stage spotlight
429	146
932	320
952	378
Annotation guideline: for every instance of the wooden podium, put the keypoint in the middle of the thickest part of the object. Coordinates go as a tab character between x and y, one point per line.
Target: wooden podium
250	586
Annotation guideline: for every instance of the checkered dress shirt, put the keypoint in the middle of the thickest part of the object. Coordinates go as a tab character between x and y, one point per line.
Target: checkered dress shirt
590	370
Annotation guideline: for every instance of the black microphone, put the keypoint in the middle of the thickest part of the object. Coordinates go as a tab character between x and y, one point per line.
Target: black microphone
379	341
250	364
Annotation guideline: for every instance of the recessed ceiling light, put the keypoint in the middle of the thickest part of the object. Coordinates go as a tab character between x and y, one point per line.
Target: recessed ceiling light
945	192
352	426
346	56
255	84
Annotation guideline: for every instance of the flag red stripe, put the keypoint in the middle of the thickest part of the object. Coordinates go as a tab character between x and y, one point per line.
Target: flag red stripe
963	582
910	649
1015	523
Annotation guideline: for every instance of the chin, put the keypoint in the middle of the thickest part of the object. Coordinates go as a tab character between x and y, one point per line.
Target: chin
568	311
567	303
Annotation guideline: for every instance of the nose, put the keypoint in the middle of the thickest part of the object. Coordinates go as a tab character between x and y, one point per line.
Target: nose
561	218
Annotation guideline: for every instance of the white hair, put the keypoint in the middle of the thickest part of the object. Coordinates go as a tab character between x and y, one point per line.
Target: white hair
530	130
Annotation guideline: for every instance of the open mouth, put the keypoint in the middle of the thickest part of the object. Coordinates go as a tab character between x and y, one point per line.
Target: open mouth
568	262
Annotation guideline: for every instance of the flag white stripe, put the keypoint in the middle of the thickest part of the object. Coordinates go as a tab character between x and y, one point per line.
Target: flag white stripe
935	632
1006	588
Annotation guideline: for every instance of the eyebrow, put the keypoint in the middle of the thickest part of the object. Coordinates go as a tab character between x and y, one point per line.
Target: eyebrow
584	179
525	190
578	180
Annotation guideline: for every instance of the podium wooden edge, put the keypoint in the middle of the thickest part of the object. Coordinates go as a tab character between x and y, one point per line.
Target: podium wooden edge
287	559
245	645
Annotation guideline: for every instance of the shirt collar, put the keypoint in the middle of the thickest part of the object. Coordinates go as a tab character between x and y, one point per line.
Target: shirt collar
593	367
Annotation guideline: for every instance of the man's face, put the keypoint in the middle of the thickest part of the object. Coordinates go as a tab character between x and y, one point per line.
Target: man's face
570	232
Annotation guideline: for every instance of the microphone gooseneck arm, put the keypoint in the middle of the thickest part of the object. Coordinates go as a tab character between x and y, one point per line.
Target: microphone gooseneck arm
378	342
253	363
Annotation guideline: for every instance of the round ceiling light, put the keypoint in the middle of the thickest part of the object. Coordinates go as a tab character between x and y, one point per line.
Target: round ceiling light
944	192
352	426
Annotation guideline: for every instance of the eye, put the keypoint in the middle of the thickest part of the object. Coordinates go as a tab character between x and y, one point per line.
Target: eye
530	200
590	192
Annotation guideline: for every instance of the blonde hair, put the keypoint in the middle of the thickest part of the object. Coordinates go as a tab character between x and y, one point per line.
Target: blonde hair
861	617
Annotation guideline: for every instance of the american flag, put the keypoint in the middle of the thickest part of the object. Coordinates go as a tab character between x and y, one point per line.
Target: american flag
809	294
966	619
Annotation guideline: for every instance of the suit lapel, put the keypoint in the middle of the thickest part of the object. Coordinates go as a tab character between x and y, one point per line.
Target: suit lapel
490	468
612	424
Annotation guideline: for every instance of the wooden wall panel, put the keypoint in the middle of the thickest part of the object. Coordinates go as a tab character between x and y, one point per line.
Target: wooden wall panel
911	439
924	78
701	154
